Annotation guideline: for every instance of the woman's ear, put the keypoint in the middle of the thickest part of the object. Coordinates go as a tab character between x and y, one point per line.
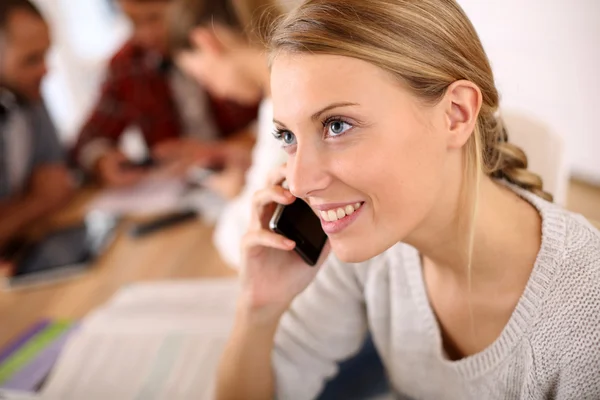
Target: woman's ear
462	103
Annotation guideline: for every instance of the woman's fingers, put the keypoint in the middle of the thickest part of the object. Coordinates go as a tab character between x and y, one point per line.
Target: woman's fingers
264	238
264	203
272	194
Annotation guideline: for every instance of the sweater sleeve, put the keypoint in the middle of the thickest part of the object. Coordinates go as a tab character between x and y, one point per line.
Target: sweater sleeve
327	323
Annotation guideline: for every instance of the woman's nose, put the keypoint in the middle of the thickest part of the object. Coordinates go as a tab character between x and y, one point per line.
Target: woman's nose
306	172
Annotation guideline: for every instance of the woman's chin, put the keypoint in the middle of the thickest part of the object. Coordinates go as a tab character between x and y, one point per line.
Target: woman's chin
352	253
357	249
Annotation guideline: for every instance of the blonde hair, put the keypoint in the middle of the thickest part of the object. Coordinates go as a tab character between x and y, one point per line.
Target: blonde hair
427	45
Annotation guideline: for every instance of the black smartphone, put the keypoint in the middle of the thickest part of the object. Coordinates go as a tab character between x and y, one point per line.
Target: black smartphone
163	222
299	223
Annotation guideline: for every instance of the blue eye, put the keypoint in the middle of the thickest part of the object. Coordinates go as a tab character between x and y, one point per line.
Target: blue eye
287	137
337	128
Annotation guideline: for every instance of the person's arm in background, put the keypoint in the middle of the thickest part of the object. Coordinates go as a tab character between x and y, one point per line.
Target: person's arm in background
16	214
238	147
49	189
236	138
232	153
96	148
50	185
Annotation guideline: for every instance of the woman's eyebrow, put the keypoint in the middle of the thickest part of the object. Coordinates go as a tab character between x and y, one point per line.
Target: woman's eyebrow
279	123
318	114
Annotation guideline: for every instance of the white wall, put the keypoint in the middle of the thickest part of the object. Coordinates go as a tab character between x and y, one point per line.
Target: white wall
546	57
85	34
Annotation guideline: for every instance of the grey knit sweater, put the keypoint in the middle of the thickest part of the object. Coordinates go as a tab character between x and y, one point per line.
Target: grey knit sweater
550	348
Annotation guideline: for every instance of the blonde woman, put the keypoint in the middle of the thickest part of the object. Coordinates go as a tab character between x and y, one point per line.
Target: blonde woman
471	282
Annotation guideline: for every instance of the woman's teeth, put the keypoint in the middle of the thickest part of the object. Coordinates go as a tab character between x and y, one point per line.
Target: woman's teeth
339	213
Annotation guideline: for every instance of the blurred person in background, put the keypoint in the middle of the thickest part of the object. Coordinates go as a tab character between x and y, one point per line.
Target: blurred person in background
34	180
214	42
181	123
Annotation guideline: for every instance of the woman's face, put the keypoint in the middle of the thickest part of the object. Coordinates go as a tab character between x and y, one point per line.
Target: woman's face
369	157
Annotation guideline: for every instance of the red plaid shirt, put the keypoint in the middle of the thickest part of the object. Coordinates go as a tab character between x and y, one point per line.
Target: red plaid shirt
137	92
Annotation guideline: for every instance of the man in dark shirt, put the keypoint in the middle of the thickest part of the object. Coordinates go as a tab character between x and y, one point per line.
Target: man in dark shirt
34	180
178	120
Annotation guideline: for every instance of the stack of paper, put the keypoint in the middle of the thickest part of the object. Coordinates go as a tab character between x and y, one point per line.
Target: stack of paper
149	197
152	341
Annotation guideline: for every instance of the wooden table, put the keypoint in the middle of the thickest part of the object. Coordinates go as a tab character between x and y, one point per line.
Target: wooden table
184	251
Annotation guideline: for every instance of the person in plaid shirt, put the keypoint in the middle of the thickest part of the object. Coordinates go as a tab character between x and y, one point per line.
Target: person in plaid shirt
180	122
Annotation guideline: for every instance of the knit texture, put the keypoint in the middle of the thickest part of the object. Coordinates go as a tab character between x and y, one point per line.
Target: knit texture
550	348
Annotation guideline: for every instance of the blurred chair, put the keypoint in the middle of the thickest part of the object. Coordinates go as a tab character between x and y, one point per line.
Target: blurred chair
545	151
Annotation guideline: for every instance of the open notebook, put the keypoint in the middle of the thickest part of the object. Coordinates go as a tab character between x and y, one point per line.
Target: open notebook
151	341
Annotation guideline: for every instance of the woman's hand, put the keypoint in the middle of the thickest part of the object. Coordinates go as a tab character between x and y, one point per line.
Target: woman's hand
272	273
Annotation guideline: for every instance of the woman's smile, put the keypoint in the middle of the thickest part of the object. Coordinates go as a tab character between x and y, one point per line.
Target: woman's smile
337	217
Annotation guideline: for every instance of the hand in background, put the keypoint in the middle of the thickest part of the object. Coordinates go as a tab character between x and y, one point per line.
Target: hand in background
5	268
228	183
237	155
51	186
110	171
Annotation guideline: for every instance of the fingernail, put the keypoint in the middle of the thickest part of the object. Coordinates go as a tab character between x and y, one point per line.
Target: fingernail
288	242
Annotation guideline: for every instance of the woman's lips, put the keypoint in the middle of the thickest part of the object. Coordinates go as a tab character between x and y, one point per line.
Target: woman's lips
336	219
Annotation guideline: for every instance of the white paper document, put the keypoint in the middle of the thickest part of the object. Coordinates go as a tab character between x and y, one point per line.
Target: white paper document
152	341
159	196
153	196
